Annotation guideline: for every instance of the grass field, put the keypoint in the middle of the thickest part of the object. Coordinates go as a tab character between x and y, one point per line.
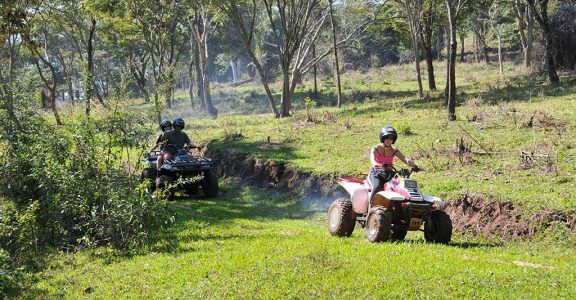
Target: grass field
520	145
250	243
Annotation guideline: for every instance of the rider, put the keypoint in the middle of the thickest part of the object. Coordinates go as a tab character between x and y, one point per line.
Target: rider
165	125
173	140
382	158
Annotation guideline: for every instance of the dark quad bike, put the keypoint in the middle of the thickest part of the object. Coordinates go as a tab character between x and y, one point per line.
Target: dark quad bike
399	207
183	172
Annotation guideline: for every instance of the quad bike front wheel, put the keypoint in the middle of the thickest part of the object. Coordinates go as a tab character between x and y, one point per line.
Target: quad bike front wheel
149	174
400	225
163	186
378	225
210	184
341	219
438	227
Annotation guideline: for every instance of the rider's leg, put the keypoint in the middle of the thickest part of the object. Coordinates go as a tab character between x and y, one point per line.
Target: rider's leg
376	184
160	161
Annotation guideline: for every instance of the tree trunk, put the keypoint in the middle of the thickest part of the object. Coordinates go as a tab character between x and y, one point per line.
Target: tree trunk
426	41
191	84
542	18
89	77
462	54
337	69
315	72
525	17
205	80
286	101
452	62
199	81
51	87
44	100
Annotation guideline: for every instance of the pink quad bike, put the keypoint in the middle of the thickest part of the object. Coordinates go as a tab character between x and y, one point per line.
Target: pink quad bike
397	208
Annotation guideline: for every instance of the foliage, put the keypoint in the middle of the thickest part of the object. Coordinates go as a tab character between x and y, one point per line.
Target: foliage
68	187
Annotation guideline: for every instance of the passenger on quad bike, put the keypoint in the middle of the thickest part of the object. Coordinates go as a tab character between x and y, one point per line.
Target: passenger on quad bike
382	159
172	141
165	125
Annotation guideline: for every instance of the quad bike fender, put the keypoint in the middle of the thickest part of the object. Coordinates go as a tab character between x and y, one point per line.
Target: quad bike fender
433	199
386	199
358	194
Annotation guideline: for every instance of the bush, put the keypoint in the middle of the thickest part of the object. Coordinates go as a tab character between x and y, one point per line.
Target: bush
67	189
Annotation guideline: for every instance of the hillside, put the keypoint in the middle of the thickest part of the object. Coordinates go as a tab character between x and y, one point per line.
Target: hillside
264	236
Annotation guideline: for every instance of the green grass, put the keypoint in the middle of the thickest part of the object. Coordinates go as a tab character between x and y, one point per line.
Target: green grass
252	243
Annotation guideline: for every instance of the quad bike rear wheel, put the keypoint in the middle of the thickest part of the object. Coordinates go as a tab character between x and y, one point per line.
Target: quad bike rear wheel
341	219
438	227
210	184
378	225
163	186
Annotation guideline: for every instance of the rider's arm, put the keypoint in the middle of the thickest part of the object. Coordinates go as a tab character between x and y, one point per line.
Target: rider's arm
373	157
188	141
405	160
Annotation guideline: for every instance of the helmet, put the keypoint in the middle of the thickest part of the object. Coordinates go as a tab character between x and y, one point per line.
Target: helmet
164	124
388	131
179	122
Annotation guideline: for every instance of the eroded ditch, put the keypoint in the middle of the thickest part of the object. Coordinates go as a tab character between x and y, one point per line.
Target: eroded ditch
471	214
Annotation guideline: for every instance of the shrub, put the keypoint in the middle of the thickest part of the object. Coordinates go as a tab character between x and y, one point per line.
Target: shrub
67	189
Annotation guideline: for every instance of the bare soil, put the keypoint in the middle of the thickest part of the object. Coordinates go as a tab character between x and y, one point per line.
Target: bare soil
471	214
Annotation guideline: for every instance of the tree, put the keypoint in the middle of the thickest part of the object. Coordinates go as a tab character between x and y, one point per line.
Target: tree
13	24
244	19
525	17
412	10
429	15
201	28
453	8
295	26
157	23
337	65
541	15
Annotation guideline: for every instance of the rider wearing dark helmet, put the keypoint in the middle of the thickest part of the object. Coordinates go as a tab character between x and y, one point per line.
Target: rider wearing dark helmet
382	158
165	125
173	140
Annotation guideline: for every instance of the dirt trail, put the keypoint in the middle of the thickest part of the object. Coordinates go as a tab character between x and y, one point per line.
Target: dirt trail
471	214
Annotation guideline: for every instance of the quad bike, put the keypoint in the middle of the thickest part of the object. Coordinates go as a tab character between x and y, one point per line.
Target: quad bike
399	207
182	172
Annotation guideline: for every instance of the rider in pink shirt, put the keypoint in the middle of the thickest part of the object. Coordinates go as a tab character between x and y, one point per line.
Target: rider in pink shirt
382	158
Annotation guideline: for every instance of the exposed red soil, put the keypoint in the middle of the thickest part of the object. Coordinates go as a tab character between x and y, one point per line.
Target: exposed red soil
474	214
471	214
